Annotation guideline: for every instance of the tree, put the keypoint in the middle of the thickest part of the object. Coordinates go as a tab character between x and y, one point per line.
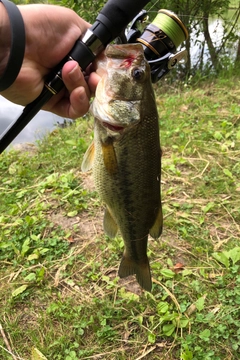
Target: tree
87	9
196	16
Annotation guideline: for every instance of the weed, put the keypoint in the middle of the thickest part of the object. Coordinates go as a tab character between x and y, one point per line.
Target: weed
60	294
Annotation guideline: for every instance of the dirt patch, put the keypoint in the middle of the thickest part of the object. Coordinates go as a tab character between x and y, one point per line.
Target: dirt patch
31	149
86	225
87	181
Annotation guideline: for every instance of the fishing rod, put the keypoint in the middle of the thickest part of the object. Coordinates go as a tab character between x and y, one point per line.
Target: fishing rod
159	39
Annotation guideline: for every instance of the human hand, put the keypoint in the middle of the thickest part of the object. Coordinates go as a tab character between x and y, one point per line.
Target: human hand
51	32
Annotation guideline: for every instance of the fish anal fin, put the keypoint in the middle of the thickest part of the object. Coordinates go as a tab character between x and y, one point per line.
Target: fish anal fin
109	158
156	229
142	270
109	224
88	158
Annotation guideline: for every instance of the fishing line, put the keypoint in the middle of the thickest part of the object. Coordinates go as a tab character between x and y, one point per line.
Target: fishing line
172	26
153	6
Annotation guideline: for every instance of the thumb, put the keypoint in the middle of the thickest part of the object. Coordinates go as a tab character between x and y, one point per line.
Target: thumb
73	77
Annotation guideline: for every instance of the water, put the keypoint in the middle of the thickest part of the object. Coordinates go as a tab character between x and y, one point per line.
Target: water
41	124
216	29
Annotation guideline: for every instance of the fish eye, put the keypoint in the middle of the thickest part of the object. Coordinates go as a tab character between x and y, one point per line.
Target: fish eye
137	73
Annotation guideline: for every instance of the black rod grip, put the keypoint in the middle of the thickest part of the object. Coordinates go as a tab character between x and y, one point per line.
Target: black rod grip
117	14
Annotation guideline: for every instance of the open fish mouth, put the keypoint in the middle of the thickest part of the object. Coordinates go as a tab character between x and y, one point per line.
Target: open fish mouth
115	114
113	127
105	119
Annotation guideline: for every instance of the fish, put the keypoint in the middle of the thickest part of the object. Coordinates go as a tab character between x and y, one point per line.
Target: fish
125	156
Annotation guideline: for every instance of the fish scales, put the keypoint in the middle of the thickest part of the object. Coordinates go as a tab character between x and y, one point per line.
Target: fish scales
126	156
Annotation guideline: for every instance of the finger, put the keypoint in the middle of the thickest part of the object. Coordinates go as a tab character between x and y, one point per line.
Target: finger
75	102
93	80
73	106
78	104
73	77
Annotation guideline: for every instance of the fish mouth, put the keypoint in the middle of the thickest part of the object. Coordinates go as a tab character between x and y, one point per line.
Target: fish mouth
112	127
105	119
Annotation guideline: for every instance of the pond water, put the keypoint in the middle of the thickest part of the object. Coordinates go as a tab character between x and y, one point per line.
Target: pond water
42	123
216	29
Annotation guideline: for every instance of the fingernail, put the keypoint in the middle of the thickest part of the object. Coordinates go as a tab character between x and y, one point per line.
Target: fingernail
75	73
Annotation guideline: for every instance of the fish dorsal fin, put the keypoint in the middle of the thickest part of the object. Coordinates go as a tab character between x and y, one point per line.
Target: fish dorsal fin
109	224
109	158
156	229
88	158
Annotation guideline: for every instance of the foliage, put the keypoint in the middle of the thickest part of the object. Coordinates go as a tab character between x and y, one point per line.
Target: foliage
87	9
20	2
203	19
58	271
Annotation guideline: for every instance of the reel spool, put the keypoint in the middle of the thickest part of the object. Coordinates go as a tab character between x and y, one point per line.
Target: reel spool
163	35
160	40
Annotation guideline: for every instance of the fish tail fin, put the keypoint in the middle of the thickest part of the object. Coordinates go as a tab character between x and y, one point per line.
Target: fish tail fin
130	267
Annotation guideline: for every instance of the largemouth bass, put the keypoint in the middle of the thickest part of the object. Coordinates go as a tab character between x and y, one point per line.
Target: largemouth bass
126	156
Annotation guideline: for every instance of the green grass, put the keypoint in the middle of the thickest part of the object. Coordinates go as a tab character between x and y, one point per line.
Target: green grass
59	290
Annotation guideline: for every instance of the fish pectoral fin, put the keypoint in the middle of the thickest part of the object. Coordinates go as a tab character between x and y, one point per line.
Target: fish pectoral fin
109	158
142	270
109	224
156	229
88	158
